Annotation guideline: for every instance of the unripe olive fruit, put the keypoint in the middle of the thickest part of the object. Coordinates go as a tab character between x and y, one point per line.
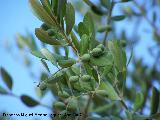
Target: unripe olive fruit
59	105
96	52
85	57
102	92
50	32
72	105
101	46
43	86
45	27
63	94
74	79
85	77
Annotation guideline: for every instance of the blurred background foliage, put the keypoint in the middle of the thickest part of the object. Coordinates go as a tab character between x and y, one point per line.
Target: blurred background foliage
138	24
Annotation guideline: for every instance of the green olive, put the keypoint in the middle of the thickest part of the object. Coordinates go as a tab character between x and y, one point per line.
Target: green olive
43	86
63	94
85	77
72	105
96	52
73	79
59	105
101	46
85	57
50	32
45	27
102	92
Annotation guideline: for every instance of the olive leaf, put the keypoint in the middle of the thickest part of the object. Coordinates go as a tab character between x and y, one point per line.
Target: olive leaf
138	101
118	17
75	41
82	29
47	6
38	54
45	64
30	102
84	44
110	91
6	78
88	22
155	100
44	37
70	18
41	13
118	54
3	91
49	56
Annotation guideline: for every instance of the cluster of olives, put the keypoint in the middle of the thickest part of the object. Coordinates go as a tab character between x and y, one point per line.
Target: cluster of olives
96	52
74	79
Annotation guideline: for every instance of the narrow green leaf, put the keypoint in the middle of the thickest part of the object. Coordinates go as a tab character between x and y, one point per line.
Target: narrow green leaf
70	18
54	78
112	94
118	17
138	101
49	56
106	3
45	65
75	41
118	55
88	22
44	37
154	101
84	44
104	29
3	91
82	29
30	102
7	78
41	13
47	6
38	54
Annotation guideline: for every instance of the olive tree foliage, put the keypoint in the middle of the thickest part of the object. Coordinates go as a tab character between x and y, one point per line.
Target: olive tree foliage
91	61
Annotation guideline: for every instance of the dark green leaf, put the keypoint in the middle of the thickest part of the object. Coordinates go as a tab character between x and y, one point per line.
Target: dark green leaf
82	29
30	102
84	44
7	78
118	17
138	101
41	12
154	101
70	18
106	3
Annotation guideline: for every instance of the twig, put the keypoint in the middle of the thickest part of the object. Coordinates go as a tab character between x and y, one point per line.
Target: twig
108	22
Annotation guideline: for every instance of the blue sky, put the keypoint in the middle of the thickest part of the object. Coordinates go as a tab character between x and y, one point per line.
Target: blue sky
16	16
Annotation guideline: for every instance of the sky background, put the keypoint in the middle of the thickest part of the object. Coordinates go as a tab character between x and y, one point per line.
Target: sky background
16	17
